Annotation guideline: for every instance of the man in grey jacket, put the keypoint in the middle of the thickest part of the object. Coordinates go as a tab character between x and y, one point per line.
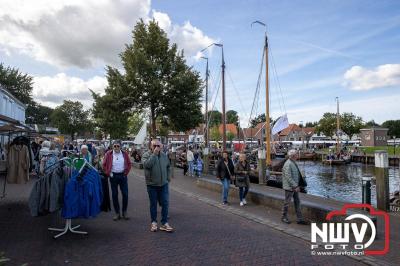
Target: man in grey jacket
157	172
290	183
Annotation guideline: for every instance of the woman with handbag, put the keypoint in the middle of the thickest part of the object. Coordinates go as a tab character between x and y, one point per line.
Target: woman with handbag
225	172
242	171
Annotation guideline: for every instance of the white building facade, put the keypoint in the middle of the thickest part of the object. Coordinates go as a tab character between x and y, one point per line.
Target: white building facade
11	108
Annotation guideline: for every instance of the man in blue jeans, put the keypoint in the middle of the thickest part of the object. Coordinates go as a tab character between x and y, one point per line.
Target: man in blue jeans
116	165
157	172
225	172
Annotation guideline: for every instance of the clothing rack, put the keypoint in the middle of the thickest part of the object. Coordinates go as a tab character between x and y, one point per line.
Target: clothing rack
68	222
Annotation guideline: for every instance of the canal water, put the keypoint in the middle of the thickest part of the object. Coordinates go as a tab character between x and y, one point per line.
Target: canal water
343	182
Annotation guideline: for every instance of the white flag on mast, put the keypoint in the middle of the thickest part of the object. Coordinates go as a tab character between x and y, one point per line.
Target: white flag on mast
280	124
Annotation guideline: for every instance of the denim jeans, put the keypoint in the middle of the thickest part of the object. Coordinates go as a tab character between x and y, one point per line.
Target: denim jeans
122	181
243	192
288	198
191	167
225	189
159	195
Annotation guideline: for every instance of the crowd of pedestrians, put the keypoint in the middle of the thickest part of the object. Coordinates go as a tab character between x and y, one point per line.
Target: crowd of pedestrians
114	164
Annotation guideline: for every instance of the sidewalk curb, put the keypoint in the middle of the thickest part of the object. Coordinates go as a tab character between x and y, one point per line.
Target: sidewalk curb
264	221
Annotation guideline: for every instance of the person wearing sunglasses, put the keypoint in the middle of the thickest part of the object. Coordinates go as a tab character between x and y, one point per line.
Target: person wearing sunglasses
157	170
116	165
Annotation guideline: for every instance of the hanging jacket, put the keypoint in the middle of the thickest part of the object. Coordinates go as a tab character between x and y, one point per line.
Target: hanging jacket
18	163
83	195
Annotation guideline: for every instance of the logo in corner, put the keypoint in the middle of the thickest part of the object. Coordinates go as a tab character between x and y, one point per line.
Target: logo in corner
335	235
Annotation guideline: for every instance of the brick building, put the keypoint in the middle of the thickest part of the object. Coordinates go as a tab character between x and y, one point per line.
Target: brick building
376	136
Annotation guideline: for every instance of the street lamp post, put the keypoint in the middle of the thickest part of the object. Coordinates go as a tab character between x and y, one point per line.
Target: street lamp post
394	145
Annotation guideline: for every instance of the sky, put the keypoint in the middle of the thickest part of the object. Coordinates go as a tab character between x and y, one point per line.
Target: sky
319	50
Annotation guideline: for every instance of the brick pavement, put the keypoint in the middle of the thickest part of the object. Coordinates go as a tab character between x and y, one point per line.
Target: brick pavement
205	235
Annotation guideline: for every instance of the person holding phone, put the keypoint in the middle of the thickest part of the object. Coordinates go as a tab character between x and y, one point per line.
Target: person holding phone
157	170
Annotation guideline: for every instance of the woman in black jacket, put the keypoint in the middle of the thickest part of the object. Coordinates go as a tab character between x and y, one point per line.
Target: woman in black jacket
225	172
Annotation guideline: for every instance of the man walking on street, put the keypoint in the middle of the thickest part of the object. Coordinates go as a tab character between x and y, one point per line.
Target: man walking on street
190	160
117	165
290	182
157	172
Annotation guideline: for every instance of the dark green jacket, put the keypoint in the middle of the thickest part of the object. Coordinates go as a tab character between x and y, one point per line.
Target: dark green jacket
156	169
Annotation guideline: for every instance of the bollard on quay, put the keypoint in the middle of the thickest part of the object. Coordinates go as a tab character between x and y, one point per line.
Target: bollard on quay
366	190
382	180
205	160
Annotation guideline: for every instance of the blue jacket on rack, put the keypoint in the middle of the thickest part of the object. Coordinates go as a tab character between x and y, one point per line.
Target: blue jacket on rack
83	195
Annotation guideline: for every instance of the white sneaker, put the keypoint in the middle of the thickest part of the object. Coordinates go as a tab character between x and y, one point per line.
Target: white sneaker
241	203
153	227
244	202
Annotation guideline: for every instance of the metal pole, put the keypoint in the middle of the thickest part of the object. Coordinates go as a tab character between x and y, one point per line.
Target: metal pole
223	103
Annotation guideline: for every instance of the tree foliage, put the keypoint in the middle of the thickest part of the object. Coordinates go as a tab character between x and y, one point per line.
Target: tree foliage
230	135
311	124
157	79
351	124
372	123
109	115
215	135
259	119
215	118
135	122
232	117
327	124
70	118
38	114
17	83
393	126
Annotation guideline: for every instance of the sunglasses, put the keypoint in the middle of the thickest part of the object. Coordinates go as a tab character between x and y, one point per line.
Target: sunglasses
155	146
116	146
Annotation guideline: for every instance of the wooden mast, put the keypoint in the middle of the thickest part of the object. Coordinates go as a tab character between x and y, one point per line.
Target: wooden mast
267	121
223	102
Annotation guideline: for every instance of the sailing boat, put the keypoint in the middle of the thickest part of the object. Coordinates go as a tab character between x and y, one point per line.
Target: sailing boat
337	158
273	167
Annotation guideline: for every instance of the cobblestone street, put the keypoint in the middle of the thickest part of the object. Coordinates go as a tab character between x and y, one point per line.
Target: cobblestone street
205	235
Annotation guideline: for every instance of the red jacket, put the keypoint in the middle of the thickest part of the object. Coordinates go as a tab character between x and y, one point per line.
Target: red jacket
107	163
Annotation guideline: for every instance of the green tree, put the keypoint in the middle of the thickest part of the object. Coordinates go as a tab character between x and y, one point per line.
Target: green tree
351	124
215	118
38	114
232	117
17	83
393	126
372	123
135	122
156	78
215	135
70	118
311	124
109	115
259	119
327	124
230	135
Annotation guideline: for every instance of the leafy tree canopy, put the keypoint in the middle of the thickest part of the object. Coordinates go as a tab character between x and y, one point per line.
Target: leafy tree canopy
70	118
